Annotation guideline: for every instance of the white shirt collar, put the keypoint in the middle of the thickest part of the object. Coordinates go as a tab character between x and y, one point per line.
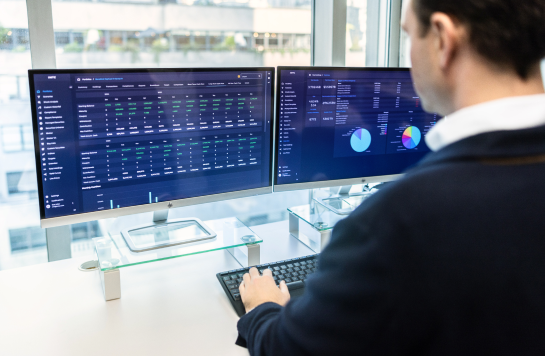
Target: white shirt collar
515	113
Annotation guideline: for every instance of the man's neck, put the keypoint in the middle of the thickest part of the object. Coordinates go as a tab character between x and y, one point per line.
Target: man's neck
480	84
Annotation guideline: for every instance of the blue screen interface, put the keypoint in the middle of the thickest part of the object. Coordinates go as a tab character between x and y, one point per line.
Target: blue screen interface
341	124
108	140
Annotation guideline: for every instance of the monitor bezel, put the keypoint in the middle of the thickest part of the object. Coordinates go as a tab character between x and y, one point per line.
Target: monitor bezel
324	183
144	208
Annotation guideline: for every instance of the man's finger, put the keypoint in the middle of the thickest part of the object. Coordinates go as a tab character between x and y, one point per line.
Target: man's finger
246	279
242	288
267	272
254	272
284	288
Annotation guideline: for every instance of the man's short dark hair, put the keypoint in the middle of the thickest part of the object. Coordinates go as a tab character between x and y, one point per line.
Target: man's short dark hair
509	33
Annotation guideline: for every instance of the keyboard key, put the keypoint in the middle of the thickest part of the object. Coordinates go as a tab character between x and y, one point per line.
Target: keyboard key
236	296
283	267
276	268
297	264
287	280
226	278
290	265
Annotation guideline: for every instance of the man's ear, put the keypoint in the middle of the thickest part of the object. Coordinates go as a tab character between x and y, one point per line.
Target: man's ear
446	38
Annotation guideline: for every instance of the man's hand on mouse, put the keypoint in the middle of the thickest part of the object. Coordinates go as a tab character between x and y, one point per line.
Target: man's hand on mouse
256	289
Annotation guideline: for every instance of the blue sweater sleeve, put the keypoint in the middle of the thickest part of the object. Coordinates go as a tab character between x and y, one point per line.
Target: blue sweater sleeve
347	303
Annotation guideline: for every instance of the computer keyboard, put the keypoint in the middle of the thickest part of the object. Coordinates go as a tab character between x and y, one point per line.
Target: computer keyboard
293	271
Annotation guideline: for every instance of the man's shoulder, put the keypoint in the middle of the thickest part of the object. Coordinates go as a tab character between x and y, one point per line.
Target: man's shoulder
421	188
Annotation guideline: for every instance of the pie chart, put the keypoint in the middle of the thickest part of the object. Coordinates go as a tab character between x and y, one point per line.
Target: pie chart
360	140
411	137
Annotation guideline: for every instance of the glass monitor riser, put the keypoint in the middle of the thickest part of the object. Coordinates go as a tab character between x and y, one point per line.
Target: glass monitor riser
341	201
163	232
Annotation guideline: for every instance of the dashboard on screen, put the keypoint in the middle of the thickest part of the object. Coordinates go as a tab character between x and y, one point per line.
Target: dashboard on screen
109	139
342	123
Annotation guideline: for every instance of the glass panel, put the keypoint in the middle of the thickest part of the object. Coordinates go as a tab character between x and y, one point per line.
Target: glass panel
182	33
113	252
21	239
13	182
356	33
28	138
11	138
37	236
404	47
165	234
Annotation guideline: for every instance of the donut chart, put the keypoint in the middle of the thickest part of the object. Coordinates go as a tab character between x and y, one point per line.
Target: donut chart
360	140
411	137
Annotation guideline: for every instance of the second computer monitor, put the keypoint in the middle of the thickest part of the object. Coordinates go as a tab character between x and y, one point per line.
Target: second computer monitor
341	126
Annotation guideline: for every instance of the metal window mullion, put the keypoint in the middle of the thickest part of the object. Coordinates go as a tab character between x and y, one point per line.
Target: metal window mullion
41	33
328	39
42	51
381	16
394	36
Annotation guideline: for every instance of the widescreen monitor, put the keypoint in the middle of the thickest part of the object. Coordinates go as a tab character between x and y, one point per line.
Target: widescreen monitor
112	142
344	126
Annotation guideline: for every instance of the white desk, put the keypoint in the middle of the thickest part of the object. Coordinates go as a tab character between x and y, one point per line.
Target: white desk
173	307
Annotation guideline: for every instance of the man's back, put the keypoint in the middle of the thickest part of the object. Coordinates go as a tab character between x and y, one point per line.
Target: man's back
447	261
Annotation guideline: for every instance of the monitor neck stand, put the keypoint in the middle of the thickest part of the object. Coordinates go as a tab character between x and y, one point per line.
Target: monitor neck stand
160	216
163	232
341	201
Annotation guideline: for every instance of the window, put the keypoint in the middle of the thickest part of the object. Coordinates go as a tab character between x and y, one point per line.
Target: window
26	238
19	212
147	33
17	138
21	182
34	237
182	33
356	32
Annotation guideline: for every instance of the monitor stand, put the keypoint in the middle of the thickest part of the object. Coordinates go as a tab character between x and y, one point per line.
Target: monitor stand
341	201
165	233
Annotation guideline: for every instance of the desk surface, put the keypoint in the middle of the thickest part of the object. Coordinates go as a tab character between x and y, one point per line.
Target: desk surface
173	307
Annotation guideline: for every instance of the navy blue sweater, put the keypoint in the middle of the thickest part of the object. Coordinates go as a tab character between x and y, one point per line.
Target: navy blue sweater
450	260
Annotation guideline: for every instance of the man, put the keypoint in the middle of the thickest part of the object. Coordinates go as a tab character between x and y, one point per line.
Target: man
461	269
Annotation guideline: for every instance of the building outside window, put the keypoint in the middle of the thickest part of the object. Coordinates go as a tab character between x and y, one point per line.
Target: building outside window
181	33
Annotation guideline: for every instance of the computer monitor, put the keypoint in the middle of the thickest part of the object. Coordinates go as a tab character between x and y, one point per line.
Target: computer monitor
112	142
346	126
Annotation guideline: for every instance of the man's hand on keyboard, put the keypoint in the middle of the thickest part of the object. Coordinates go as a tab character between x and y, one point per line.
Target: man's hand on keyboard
256	290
